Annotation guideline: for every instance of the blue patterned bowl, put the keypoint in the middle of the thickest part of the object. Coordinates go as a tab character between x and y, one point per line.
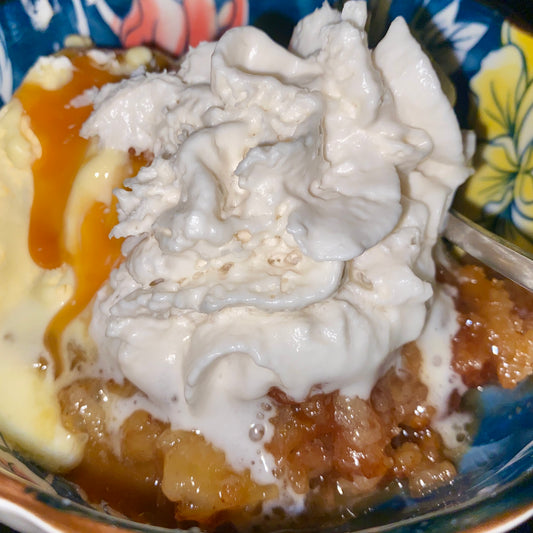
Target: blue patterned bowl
490	61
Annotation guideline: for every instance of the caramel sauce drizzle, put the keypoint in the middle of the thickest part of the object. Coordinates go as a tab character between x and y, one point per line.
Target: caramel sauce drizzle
57	124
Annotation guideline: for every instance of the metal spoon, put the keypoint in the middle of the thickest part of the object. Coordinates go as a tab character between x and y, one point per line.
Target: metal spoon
502	256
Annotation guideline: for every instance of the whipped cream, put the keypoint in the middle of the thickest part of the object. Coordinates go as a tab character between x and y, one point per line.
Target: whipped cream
282	235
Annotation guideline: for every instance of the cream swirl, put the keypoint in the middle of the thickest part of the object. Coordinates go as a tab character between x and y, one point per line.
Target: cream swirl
282	235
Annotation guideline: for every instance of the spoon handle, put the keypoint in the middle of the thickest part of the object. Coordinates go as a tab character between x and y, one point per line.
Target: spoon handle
502	256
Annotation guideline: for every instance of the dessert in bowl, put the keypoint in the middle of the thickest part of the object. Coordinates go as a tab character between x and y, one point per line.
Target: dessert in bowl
265	340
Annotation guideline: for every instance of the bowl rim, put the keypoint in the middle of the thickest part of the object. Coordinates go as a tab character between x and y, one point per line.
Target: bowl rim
23	501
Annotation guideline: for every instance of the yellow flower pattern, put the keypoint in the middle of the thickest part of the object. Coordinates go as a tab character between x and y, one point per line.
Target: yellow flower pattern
500	193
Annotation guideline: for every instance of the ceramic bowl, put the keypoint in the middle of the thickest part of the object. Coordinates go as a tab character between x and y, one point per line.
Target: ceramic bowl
489	58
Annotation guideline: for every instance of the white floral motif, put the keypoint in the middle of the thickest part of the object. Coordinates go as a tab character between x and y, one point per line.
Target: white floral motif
6	71
40	13
82	23
447	40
